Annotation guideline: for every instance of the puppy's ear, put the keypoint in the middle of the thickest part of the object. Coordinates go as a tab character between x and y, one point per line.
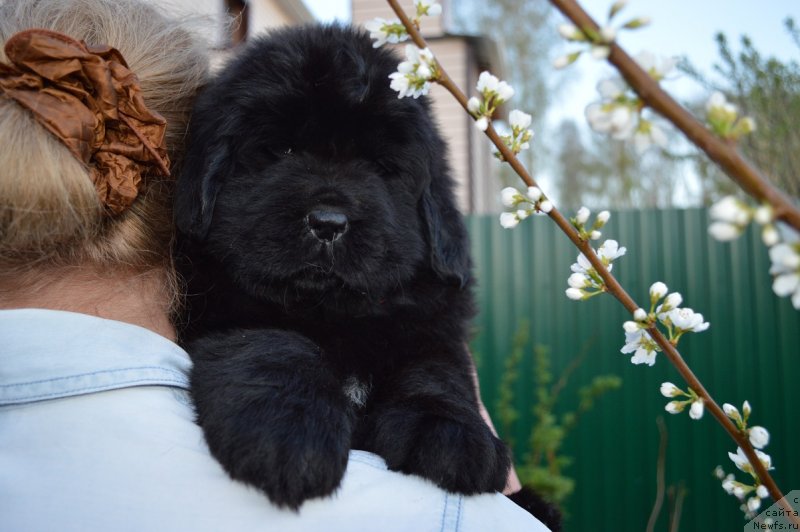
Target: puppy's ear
446	234
208	163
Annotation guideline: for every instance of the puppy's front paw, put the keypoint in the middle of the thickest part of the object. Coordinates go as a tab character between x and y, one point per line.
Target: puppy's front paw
272	414
461	456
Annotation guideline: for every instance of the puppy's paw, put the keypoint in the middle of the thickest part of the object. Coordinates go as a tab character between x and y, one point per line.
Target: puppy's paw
273	414
459	455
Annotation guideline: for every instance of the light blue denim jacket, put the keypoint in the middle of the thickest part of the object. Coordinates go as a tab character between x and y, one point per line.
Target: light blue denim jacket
97	433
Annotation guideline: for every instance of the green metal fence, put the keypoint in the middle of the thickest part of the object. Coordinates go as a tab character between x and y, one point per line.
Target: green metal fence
751	351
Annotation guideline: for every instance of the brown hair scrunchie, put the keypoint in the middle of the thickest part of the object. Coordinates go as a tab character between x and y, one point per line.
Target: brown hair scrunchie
88	98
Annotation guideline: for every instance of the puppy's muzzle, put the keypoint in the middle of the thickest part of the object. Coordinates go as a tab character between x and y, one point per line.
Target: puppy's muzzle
327	225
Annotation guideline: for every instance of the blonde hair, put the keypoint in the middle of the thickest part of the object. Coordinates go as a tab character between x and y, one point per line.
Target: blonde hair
50	215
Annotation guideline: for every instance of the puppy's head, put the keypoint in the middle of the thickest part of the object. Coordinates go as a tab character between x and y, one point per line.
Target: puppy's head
306	175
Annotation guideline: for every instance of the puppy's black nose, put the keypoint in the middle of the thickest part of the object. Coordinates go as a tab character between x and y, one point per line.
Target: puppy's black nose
327	226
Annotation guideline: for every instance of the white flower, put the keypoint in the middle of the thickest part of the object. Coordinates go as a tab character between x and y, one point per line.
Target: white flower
717	99
728	485
642	346
724	231
629	326
611	88
669	390
762	491
731	411
657	67
504	92
482	123
741	461
786	269
600	51
674	407
509	220
769	235
583	215
519	119
763	214
578	280
383	31
575	293
534	193
648	134
487	82
759	437
414	74
510	196
696	410
672	301
657	290
622	122
608	34
639	314
686	319
731	210
474	105
570	32
610	250
426	7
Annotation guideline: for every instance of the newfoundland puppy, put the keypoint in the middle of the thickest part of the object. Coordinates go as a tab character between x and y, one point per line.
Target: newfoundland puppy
328	274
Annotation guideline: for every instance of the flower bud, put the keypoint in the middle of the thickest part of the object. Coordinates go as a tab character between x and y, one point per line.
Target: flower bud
657	291
728	486
575	294
674	407
723	231
762	491
509	220
595	235
607	34
673	301
523	213
546	206
578	280
763	214
746	409
639	314
696	410
602	219
534	193
482	123
759	437
738	491
770	236
669	390
474	105
582	216
631	326
564	61
510	196
731	411
753	504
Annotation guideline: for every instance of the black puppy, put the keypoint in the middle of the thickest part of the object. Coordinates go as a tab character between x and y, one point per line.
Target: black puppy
328	274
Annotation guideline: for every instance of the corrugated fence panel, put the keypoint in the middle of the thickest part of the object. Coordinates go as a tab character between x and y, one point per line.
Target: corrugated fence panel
751	351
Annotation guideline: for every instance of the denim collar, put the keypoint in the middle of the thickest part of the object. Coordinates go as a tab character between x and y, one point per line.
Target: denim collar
49	354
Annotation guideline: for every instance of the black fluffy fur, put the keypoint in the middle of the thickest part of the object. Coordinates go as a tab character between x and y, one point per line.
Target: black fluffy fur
280	323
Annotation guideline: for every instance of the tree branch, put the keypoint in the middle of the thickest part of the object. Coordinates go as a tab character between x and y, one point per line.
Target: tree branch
649	91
